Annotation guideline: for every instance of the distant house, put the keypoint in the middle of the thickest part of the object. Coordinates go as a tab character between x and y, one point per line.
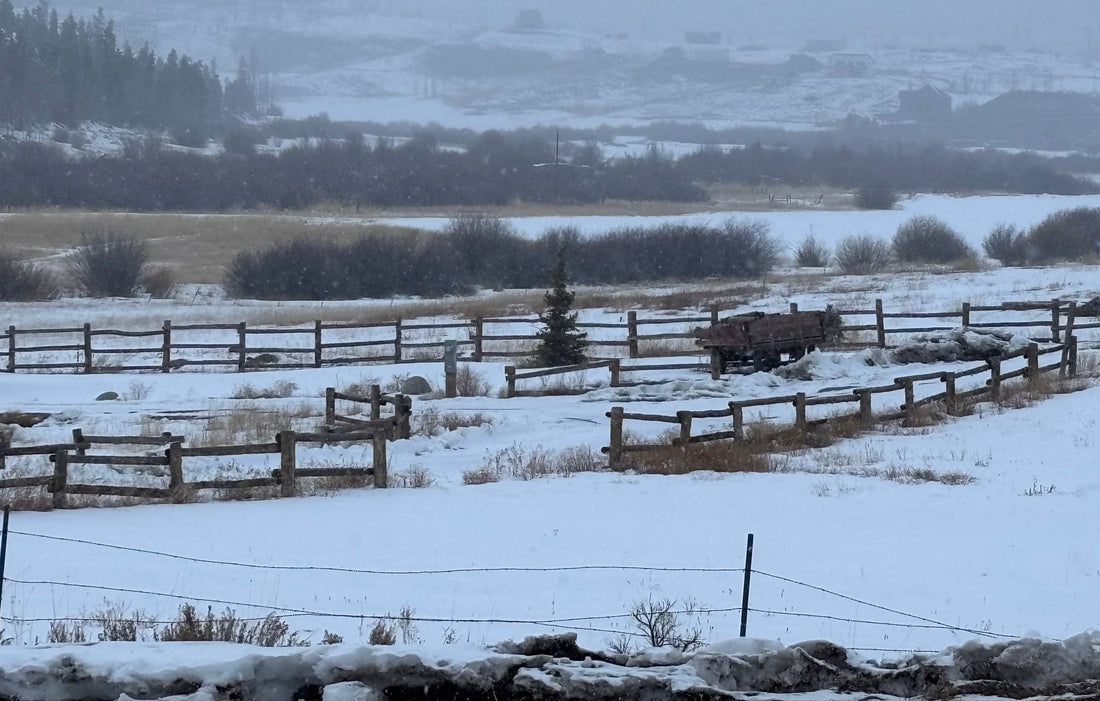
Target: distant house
851	64
924	105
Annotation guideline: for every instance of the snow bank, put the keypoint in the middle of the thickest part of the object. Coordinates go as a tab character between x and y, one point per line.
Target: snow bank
544	667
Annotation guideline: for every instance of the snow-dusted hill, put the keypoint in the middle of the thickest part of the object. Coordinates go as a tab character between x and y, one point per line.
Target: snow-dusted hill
422	62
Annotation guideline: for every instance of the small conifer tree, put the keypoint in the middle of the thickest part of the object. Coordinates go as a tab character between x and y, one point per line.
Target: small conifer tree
560	343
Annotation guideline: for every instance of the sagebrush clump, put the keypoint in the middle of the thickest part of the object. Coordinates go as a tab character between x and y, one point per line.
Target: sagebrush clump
927	239
862	254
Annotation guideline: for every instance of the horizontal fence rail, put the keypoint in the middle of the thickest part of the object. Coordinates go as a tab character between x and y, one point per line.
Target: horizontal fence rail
244	348
905	386
337	429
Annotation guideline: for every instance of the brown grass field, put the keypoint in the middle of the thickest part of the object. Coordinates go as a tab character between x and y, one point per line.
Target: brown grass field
198	246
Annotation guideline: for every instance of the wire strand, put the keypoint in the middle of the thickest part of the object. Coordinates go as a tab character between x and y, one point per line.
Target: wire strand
351	570
914	616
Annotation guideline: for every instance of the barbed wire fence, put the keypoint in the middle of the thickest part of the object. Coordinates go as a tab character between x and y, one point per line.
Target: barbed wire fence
601	623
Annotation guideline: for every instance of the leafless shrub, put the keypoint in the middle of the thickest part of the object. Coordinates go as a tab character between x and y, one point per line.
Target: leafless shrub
811	253
1038	490
1008	244
281	389
108	264
331	638
432	422
158	281
414	477
928	239
271	631
862	255
384	632
578	458
117	624
66	632
21	281
660	625
480	475
470	383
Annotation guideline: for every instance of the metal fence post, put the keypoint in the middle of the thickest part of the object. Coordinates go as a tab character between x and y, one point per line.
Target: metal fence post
745	588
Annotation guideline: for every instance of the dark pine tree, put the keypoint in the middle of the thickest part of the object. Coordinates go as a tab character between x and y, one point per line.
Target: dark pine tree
560	343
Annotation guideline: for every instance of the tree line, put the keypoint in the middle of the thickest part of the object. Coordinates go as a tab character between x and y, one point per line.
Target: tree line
73	70
498	168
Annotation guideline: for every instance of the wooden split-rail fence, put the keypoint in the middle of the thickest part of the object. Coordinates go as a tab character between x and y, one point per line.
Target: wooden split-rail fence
397	426
286	478
618	450
244	348
337	429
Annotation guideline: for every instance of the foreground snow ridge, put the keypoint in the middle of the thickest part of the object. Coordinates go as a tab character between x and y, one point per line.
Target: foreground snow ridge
542	667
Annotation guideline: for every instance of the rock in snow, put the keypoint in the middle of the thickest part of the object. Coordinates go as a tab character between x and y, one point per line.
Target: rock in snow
549	668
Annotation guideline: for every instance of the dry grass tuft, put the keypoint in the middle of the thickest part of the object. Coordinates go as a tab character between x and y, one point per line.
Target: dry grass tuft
433	422
281	389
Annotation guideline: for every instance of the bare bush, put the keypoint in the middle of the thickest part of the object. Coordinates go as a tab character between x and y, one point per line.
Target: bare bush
415	477
811	253
660	625
21	281
1008	244
876	197
271	631
117	624
480	475
862	254
432	422
159	281
108	265
1069	234
384	632
927	239
470	383
66	632
281	389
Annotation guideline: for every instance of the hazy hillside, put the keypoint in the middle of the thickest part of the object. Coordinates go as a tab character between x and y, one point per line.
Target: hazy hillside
427	60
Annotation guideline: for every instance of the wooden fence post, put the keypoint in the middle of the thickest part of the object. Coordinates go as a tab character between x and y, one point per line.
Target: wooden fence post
966	314
479	335
866	417
242	347
1032	355
318	347
1055	320
910	401
87	349
381	478
78	441
632	333
287	441
994	378
404	423
951	398
11	349
330	406
800	411
1071	317
614	367
510	378
615	447
166	347
880	324
60	479
794	307
716	364
714	314
1072	356
175	465
397	340
376	403
738	413
684	418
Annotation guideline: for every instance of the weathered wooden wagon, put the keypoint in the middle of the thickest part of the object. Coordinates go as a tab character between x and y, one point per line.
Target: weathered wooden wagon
760	341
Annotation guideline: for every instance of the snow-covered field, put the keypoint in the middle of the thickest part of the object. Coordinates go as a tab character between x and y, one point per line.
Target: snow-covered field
842	552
